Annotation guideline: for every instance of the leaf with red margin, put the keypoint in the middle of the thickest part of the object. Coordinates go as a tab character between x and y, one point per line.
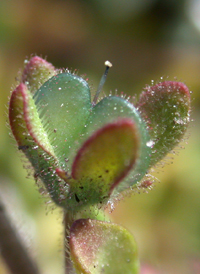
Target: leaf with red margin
36	72
32	140
100	247
113	108
104	160
166	109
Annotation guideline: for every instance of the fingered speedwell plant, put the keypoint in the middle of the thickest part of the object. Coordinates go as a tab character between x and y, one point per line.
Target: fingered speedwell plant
86	152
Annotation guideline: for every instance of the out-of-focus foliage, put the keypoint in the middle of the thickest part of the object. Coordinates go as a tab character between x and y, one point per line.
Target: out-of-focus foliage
143	41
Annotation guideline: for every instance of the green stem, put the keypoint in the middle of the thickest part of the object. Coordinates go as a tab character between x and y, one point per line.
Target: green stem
68	220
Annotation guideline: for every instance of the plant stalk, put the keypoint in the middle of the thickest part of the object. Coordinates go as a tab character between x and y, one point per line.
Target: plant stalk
68	220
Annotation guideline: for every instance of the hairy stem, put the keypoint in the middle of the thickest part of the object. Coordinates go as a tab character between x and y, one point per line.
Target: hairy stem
68	220
12	250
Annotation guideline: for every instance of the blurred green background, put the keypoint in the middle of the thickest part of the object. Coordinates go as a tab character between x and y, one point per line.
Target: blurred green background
144	40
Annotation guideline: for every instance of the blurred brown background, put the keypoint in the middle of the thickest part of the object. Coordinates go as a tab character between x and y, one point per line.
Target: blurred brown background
144	40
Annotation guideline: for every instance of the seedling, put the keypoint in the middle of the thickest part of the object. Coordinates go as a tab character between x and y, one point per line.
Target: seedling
89	151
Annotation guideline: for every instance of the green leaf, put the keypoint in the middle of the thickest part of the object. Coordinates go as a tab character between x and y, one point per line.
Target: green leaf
166	109
24	120
104	160
63	104
110	109
99	247
33	141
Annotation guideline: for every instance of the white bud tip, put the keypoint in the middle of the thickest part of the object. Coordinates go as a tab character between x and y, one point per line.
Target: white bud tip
108	64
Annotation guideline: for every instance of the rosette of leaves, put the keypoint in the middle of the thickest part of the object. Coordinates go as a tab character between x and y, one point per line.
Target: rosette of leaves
87	152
